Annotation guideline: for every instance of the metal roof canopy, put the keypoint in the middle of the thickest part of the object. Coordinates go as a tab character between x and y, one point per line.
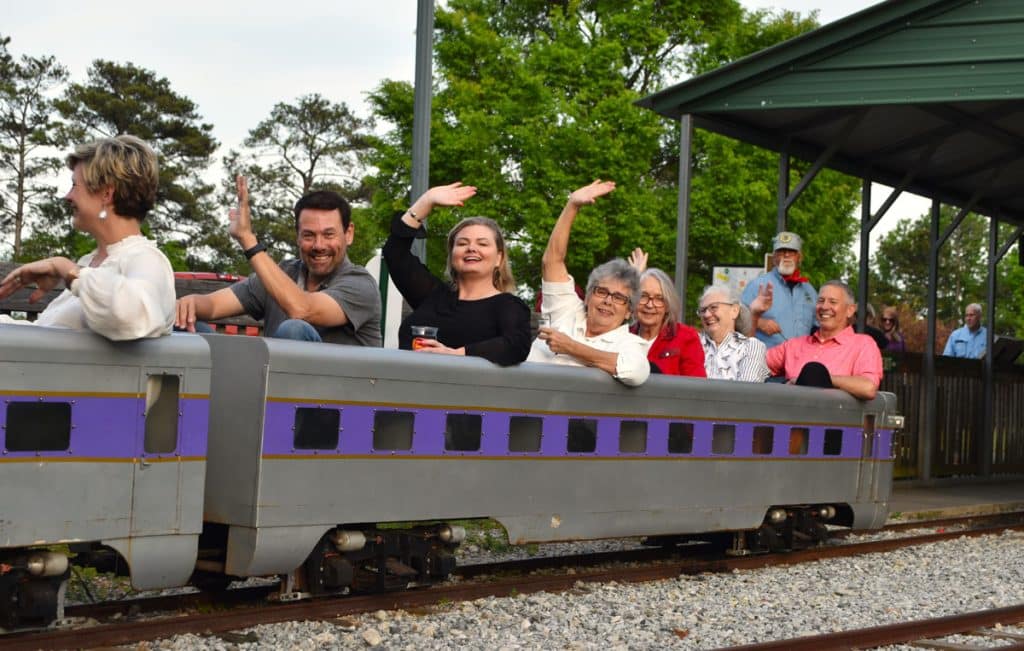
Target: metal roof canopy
926	96
933	90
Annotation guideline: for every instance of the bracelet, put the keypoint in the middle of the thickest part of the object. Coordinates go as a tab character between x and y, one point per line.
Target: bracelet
253	250
414	216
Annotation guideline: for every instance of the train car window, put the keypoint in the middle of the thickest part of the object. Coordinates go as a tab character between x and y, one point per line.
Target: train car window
392	430
723	439
38	426
869	435
524	433
462	432
833	442
799	438
633	436
162	411
764	439
582	435
680	438
316	428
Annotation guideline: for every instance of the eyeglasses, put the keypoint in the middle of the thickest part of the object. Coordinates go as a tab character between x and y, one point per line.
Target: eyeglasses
886	319
711	307
656	299
617	298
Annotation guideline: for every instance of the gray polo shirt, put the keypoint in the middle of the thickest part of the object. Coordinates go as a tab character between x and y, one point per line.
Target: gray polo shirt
350	285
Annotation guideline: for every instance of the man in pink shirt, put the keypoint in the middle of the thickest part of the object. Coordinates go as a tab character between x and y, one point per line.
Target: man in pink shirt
835	356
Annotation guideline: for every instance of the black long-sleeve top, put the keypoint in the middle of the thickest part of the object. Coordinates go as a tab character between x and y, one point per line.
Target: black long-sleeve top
495	328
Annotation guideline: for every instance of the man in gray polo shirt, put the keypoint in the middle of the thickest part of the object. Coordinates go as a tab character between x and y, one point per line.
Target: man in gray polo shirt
322	296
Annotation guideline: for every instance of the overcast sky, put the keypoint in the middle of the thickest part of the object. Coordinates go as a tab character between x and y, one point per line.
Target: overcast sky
235	59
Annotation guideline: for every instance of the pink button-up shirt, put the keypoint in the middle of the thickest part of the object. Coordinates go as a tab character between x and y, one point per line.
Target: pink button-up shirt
848	353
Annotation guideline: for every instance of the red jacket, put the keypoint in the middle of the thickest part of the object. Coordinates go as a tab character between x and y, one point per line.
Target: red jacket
678	351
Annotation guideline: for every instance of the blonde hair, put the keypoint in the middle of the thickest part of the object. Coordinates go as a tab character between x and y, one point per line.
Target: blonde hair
124	163
503	279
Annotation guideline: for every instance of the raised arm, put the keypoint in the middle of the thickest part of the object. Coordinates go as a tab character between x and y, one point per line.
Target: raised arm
413	279
553	267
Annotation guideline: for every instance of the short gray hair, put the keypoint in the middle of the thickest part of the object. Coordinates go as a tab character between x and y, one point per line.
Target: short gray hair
673	306
974	306
743	319
620	270
843	286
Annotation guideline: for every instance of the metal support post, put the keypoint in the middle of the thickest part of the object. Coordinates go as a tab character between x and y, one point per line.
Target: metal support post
927	435
422	94
683	206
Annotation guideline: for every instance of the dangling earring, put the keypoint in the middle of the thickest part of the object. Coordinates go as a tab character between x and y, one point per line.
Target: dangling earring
103	213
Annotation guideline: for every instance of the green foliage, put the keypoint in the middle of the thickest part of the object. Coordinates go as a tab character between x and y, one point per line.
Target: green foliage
899	270
312	144
534	99
28	131
125	99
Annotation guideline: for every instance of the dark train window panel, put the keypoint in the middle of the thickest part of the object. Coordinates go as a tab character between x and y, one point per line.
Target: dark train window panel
799	439
38	426
582	435
462	432
763	440
162	411
633	436
524	433
680	438
833	442
723	439
316	428
869	435
392	430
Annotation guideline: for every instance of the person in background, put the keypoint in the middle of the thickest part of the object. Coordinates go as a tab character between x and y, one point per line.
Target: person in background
728	353
321	296
891	330
833	357
475	311
124	289
791	295
969	340
593	331
673	347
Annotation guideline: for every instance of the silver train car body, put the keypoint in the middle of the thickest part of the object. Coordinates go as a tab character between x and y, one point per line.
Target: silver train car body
217	456
102	443
307	440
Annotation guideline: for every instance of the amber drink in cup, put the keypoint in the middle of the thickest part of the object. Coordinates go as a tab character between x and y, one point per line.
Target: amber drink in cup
421	334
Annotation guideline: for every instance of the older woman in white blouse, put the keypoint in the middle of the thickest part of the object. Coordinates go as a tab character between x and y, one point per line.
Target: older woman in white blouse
728	354
124	289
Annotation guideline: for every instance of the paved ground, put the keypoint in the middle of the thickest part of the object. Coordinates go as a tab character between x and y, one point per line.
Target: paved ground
917	503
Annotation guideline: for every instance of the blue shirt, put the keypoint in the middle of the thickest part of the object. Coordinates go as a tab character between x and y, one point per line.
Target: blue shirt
964	343
792	309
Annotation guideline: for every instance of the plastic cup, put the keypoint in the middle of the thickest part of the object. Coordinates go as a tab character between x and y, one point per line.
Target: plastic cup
421	334
544	321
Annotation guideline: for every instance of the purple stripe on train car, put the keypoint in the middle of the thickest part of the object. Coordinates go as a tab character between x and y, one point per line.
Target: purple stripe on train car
357	422
112	428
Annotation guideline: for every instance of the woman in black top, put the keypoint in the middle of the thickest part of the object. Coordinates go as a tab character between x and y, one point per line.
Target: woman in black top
475	313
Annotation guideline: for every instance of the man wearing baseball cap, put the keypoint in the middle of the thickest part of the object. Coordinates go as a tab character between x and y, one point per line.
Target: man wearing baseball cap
781	301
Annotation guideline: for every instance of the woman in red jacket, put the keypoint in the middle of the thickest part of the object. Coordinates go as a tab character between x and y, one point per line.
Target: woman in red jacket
675	348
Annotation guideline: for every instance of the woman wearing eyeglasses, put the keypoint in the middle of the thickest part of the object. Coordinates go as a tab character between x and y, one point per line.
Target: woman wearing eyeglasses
593	331
673	347
891	329
729	354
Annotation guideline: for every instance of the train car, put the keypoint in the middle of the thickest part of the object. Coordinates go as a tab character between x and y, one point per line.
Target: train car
313	447
104	447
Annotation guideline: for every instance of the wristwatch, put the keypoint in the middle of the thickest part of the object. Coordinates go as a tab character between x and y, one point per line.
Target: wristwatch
253	250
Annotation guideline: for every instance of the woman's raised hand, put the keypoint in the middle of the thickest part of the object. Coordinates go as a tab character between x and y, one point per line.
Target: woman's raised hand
454	194
589	193
638	260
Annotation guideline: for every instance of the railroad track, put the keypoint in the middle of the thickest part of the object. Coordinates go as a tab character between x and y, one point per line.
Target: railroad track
924	633
249	607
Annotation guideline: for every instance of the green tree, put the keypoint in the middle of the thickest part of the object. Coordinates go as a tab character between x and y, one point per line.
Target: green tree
533	99
312	144
125	99
28	131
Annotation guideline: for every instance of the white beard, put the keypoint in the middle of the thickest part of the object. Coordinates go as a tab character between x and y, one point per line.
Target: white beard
787	267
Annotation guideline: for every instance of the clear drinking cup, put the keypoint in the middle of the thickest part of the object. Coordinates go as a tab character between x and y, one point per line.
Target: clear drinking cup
544	321
421	334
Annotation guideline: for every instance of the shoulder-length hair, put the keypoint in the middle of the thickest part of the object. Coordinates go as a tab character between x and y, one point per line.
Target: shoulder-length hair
673	305
503	279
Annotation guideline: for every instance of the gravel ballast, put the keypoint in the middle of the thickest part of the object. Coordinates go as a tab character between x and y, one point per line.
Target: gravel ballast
704	611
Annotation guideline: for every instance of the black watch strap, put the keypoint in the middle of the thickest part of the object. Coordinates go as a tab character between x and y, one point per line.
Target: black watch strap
251	251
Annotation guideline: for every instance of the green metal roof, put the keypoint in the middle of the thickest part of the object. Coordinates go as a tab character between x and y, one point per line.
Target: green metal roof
931	90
